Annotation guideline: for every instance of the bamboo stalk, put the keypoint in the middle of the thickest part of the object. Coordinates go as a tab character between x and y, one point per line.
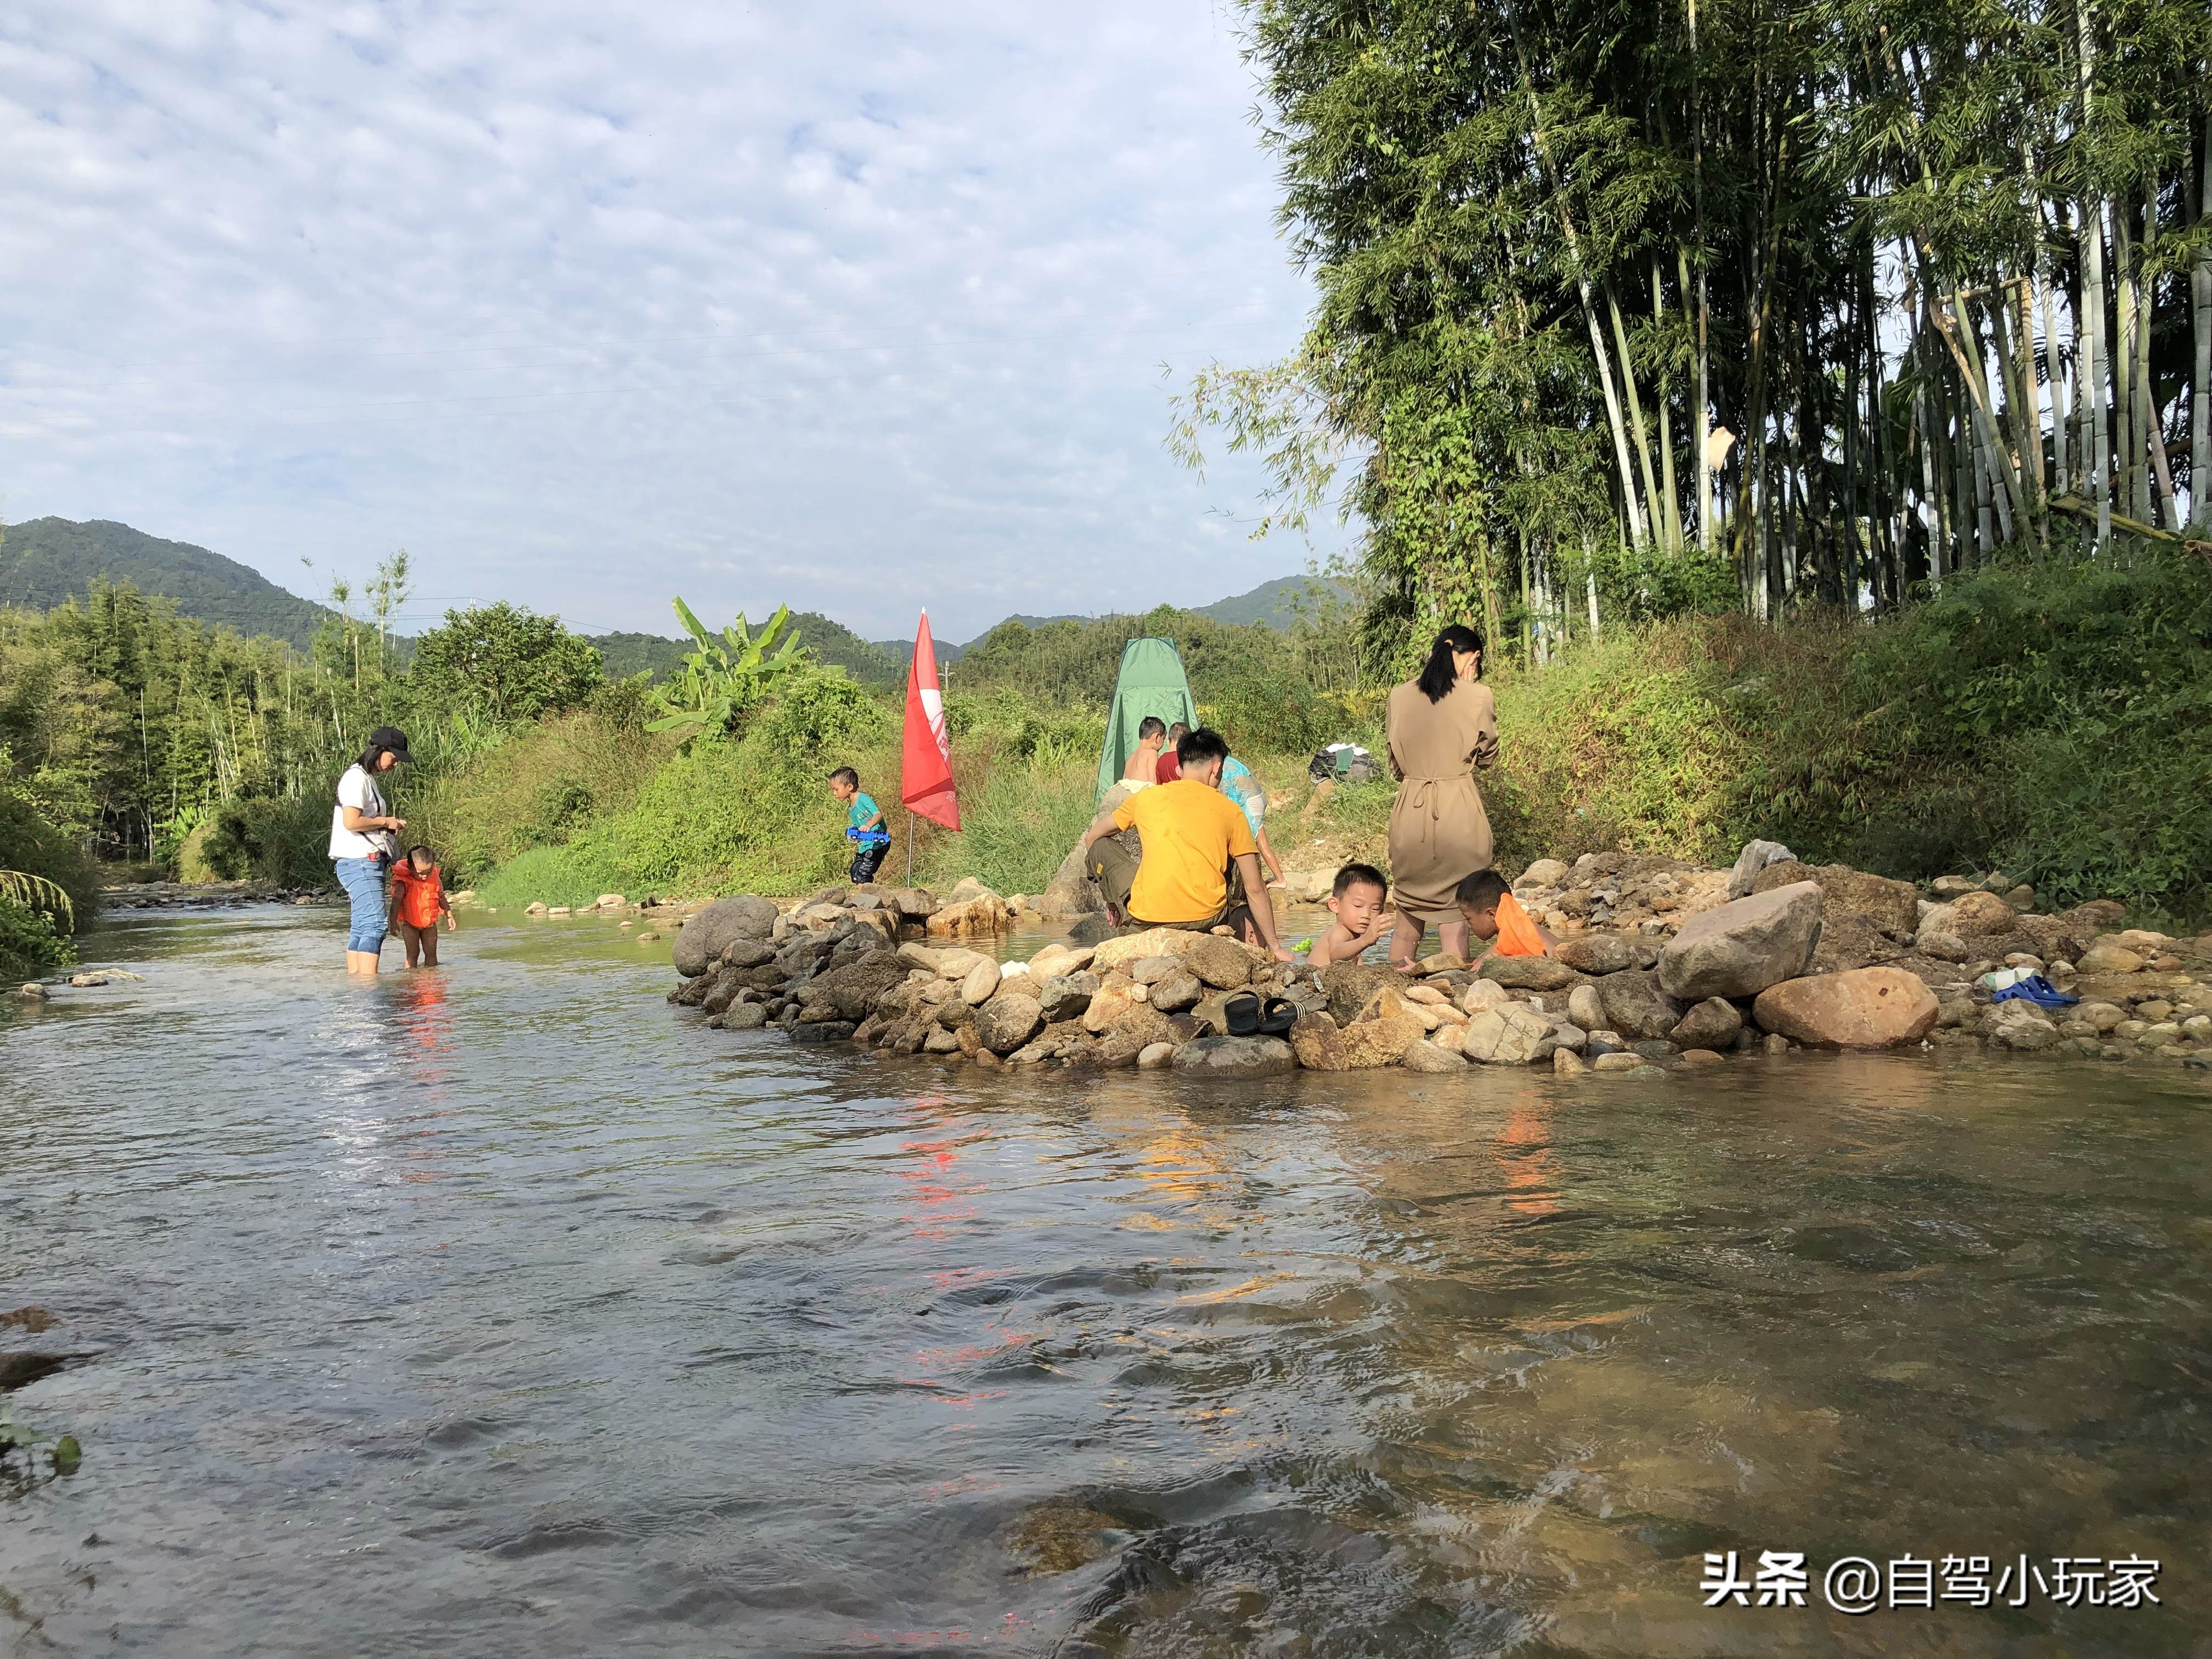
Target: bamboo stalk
2200	294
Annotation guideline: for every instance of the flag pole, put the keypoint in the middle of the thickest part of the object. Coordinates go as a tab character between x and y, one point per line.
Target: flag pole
909	846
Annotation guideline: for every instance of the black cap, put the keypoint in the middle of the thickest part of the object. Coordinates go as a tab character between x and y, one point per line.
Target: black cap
392	740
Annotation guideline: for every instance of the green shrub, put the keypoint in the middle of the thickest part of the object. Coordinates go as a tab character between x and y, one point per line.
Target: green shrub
29	843
31	942
556	875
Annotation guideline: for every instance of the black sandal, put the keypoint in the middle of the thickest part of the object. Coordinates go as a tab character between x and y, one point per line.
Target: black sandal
1277	1015
1241	1012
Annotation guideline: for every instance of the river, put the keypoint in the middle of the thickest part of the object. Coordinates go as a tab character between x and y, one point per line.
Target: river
508	1311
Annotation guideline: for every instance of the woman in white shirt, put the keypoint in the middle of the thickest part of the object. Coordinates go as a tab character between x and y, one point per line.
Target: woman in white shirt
362	844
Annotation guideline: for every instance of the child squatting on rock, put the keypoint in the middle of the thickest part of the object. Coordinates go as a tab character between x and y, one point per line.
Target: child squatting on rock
1492	913
863	825
418	899
1360	901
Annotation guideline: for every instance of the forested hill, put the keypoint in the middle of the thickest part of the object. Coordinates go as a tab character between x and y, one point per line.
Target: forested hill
48	561
625	655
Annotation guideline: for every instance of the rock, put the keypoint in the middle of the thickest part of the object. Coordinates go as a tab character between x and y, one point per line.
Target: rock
2017	1025
1544	873
1094	929
1712	1024
970	918
1862	1008
32	991
1175	993
1615	1064
1505	1037
1565	1062
820	1031
744	1017
1850	941
1944	947
1526	973
1240	1056
981	984
2100	1016
2159	1034
1703	1057
536	908
1488	994
1221	963
2103	958
747	953
1776	1043
1596	953
609	902
1066	996
1585	1008
1950	887
648	938
1971	917
2021	897
941	1041
721	924
916	903
1350	987
1426	1056
1442	962
1322	1045
1889	907
1155	1055
1055	960
1740	948
1007	1021
1566	1034
968	888
1129	948
1151	970
1634	1002
1756	857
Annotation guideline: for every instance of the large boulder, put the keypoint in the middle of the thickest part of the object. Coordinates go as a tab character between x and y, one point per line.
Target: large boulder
1636	1005
1322	1045
1740	948
1222	963
1526	973
1511	1036
1008	1020
2018	1025
1756	857
1972	916
2107	959
970	918
1852	941
1129	948
1863	1008
1066	996
1236	1056
704	937
1350	986
1712	1024
1894	907
747	953
1596	953
1544	873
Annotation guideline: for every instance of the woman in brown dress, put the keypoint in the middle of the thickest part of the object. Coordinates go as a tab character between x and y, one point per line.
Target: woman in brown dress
1441	725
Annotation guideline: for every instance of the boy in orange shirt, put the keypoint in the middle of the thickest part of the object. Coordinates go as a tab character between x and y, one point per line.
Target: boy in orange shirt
1492	913
418	899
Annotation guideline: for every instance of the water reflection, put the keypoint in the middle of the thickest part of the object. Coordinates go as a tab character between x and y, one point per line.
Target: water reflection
506	1305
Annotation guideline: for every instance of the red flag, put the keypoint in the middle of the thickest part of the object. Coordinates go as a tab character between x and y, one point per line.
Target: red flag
926	788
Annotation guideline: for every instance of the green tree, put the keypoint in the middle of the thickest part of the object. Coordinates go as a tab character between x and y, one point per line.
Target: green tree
502	663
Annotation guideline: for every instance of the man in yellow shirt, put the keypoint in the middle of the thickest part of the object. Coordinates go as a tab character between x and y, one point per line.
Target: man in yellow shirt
1193	861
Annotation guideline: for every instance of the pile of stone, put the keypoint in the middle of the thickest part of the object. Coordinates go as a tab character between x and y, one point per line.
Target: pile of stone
1661	965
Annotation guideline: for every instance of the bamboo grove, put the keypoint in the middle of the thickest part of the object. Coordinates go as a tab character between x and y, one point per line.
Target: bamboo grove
1774	301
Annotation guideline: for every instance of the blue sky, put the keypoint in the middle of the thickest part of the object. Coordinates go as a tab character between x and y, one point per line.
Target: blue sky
857	306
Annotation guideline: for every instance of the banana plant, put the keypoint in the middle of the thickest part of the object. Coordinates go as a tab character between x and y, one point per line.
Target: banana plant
727	676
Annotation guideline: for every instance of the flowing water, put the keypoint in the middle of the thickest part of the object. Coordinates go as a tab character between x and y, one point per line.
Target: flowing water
508	1311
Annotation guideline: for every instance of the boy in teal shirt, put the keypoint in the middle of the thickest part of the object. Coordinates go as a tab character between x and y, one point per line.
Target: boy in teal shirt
863	825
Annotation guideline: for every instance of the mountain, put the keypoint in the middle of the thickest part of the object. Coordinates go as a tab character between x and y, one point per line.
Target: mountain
1275	603
832	643
48	561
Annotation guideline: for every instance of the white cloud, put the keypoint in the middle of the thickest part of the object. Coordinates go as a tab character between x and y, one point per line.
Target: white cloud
860	306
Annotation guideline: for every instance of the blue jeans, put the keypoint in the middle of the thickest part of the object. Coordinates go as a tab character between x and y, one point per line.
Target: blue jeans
363	881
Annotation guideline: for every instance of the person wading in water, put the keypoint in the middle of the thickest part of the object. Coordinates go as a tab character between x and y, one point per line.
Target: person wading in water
362	844
1441	723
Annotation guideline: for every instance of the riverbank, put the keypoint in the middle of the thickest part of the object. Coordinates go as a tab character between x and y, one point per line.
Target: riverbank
1662	964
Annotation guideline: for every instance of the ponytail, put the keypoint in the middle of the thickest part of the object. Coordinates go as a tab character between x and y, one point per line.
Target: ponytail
1438	676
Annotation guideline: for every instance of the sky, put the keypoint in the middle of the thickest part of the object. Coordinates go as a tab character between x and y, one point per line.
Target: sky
860	306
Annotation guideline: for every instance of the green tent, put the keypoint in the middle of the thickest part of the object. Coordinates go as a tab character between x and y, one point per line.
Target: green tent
1151	683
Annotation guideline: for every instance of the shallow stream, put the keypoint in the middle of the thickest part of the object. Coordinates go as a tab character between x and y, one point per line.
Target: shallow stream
505	1310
